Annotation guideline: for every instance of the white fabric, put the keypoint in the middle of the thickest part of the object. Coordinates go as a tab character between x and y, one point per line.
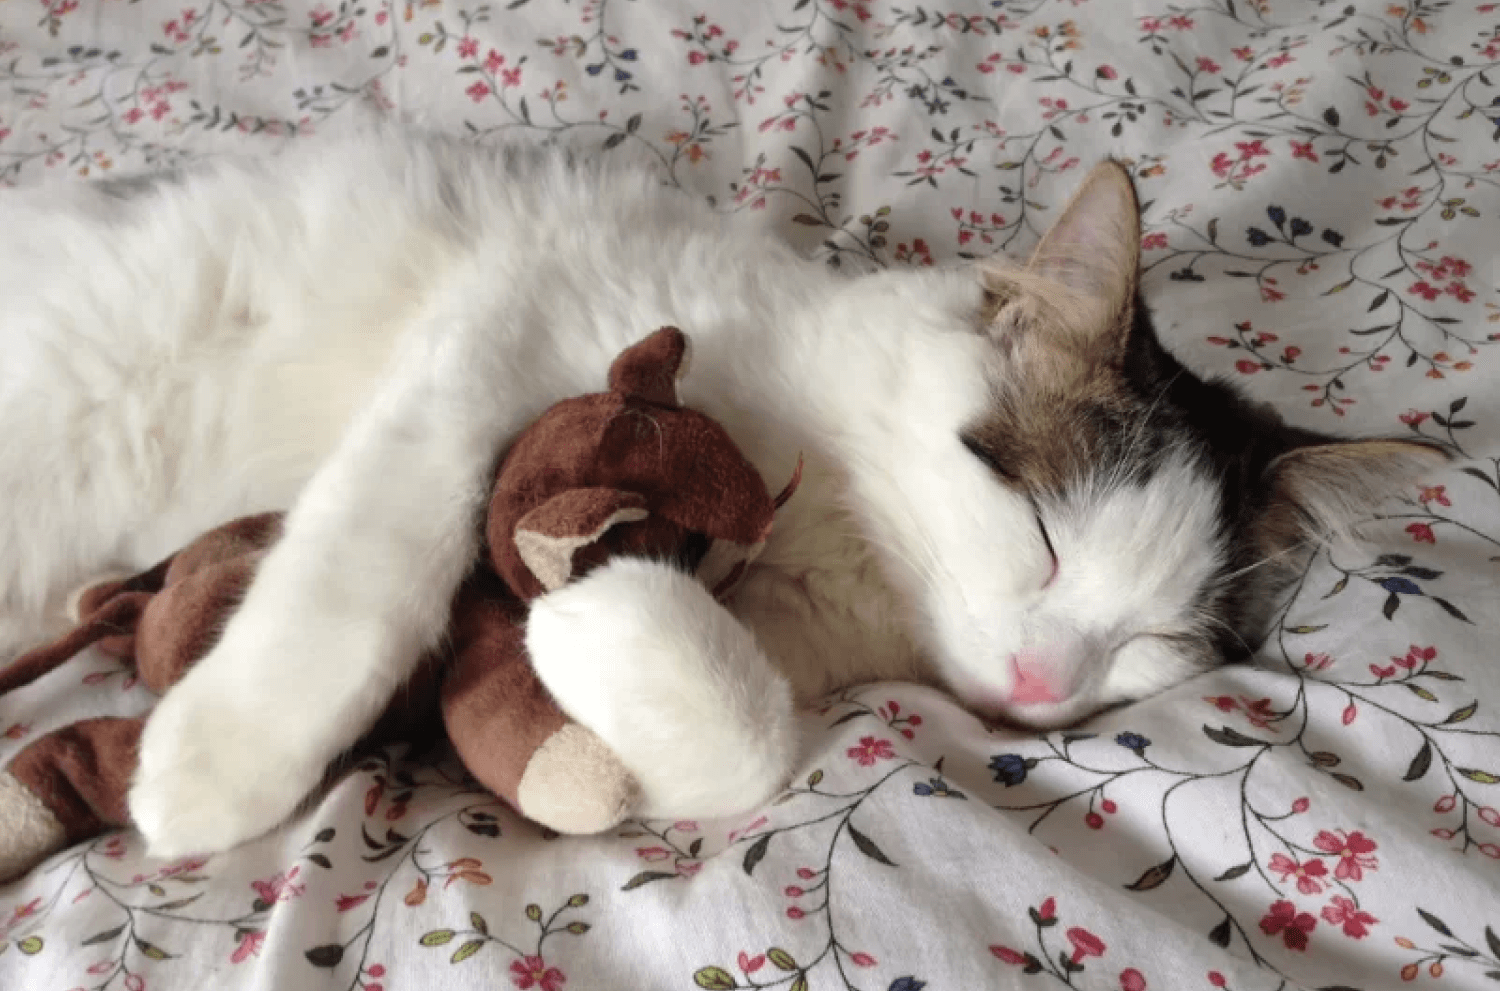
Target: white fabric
1320	195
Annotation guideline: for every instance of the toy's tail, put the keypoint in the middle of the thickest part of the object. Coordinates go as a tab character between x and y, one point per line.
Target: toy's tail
116	617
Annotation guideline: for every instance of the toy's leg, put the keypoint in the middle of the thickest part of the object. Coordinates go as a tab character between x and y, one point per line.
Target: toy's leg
511	735
642	655
66	787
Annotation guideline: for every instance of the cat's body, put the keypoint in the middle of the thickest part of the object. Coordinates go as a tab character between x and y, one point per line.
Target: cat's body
355	330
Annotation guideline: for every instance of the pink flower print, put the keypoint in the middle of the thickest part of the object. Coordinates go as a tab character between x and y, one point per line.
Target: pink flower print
1154	241
1434	493
1278	61
1132	980
1317	662
1415	656
1293	926
1353	851
1459	291
345	902
759	822
1421	533
183	866
1223	703
1458	266
493	61
1304	149
478	91
1412	417
1306	873
249	946
1008	955
467	48
1343	912
1085	944
280	887
871	750
510	77
529	972
1259	712
1207	65
23	912
750	964
650	854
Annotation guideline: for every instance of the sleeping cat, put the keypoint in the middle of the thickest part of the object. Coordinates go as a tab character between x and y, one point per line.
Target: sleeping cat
1011	489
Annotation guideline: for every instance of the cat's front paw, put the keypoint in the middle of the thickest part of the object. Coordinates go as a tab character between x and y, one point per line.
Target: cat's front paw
643	656
222	760
210	775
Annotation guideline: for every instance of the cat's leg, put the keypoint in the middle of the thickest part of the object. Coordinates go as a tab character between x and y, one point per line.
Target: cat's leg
641	654
344	605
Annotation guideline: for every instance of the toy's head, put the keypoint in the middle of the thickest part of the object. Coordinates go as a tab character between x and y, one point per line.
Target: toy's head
627	472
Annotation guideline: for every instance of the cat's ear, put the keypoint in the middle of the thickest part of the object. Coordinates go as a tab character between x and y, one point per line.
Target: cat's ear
1094	249
1319	492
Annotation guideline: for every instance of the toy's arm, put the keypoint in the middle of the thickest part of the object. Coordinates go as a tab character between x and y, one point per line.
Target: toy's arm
357	589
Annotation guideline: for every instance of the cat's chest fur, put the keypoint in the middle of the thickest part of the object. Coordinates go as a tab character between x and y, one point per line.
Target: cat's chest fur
819	602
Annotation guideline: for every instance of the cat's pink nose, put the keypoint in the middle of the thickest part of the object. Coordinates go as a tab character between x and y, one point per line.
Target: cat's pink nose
1033	682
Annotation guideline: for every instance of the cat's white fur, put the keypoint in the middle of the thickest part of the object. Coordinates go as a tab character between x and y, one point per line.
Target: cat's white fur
354	329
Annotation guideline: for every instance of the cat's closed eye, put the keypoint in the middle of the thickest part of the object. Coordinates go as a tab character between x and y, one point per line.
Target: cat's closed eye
988	458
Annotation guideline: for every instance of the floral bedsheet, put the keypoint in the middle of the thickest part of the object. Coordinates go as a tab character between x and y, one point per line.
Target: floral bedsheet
1320	192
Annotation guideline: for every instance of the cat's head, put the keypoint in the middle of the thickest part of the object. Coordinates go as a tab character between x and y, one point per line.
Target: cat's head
1079	520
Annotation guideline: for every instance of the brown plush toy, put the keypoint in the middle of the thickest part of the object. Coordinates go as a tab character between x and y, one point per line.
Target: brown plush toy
625	472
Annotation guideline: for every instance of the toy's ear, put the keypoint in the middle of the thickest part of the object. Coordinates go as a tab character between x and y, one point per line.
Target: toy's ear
549	535
651	369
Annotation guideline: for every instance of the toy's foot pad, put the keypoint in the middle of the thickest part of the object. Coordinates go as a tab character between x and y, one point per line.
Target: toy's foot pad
29	832
576	784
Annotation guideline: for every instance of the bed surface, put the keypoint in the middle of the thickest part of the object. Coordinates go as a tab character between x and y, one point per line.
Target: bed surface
1320	191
